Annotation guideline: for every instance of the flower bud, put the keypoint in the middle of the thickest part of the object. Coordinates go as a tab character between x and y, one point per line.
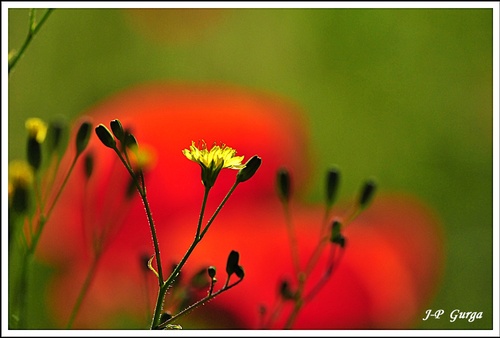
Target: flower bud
232	262
367	193
283	184
89	165
55	135
20	180
285	291
211	271
131	141
332	183
34	153
105	136
117	128
82	137
20	199
336	235
250	169
240	272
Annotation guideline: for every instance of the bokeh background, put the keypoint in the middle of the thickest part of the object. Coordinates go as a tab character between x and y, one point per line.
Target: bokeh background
403	95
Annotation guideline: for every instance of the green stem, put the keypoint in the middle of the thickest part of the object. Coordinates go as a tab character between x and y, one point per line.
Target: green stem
23	290
202	212
293	239
142	191
164	287
301	299
155	238
197	239
293	315
198	303
83	291
323	240
44	218
331	266
33	29
313	260
30	252
210	221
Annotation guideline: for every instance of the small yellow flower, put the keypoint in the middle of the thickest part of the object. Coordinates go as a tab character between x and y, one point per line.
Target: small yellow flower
213	161
36	129
20	174
20	178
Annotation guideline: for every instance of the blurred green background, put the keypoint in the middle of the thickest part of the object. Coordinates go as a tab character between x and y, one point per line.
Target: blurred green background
404	95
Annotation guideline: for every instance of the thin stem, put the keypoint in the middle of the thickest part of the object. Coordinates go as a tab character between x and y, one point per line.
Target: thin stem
155	238
23	290
33	29
152	228
293	239
32	248
53	174
202	212
210	221
198	303
163	286
313	260
38	193
62	186
83	291
332	265
44	218
291	319
178	267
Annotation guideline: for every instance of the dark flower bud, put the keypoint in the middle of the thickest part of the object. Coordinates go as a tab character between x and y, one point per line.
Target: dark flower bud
283	184
130	141
211	271
332	183
89	165
21	177
232	262
336	235
20	199
82	137
117	128
55	135
367	193
34	153
250	169
285	291
105	136
240	272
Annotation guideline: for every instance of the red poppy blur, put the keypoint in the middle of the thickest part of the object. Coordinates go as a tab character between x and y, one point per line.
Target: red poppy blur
387	276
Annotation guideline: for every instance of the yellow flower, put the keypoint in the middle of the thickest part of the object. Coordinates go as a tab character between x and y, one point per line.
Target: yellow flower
213	161
20	174
36	128
20	178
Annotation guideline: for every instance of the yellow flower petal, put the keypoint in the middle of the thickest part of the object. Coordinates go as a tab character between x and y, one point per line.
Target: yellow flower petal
214	160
